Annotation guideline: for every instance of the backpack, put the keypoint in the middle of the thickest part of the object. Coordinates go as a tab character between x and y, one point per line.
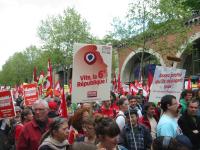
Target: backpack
119	115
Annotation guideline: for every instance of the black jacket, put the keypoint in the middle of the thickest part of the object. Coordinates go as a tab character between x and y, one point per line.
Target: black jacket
189	126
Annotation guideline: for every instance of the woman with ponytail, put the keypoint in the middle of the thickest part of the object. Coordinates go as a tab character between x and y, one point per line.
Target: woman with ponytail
56	137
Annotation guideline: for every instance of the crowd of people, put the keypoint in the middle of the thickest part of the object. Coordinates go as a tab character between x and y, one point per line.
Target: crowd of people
125	122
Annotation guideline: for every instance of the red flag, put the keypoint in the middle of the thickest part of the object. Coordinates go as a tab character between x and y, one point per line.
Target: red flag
35	75
133	89
57	89
49	85
63	106
119	84
150	79
189	86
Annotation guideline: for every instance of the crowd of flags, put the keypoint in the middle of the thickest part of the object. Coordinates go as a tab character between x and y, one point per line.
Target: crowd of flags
46	87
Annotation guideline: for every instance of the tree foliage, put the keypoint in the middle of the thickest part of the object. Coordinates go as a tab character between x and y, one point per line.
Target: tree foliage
19	67
60	32
149	20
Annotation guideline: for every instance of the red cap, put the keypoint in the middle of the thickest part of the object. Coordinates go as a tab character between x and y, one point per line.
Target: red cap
52	105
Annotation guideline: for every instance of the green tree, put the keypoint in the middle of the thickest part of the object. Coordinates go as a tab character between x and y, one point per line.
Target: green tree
19	67
148	20
59	33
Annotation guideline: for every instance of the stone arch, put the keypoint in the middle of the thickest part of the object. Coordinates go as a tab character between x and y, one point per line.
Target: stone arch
181	54
123	73
184	46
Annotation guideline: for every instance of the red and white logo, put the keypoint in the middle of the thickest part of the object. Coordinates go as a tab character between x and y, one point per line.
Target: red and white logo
90	58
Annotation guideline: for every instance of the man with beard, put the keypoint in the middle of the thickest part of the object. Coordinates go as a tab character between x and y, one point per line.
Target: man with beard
30	136
167	125
190	123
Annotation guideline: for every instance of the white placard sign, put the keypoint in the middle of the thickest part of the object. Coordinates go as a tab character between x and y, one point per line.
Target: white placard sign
166	81
91	76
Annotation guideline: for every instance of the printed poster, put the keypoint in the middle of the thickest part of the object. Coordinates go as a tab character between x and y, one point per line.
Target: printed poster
166	81
6	104
30	94
91	73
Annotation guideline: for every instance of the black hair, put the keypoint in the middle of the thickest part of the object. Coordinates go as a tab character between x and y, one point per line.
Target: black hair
146	107
166	100
130	97
106	127
130	111
121	101
194	100
24	113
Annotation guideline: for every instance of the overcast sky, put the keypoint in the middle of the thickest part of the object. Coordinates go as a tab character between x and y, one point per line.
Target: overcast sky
20	19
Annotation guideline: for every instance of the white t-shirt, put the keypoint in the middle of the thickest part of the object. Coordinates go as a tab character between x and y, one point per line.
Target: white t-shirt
153	124
120	120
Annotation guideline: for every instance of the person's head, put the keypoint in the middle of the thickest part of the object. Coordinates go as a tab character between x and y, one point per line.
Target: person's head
197	94
58	130
167	143
107	104
52	106
88	127
26	115
140	92
192	107
18	111
79	117
132	101
40	109
123	104
58	102
188	95
131	116
149	109
169	104
107	132
87	106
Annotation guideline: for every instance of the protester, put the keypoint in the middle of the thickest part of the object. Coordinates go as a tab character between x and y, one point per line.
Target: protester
197	95
133	104
56	137
120	118
26	116
134	135
33	130
107	132
149	120
89	132
167	125
4	130
106	109
141	97
189	122
53	109
76	130
167	143
187	96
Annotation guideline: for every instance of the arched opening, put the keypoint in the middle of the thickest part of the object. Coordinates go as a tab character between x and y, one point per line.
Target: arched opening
191	58
131	70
